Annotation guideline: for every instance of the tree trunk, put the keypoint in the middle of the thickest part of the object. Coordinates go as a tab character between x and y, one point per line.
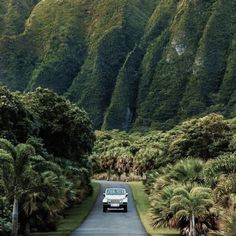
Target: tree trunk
119	176
194	230
108	174
191	227
15	214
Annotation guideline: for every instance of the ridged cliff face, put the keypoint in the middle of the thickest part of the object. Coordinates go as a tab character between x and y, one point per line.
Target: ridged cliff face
128	63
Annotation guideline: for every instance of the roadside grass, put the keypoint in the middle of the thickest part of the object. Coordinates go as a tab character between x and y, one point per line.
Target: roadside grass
74	216
142	204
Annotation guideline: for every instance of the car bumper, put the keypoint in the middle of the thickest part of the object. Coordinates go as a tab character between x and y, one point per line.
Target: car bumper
115	205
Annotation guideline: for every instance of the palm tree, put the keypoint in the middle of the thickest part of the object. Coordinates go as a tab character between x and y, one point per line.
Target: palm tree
190	203
15	160
118	159
145	159
224	164
49	196
124	162
46	187
161	212
225	194
187	171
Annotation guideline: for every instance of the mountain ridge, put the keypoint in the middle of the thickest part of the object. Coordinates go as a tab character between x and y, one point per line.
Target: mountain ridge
129	64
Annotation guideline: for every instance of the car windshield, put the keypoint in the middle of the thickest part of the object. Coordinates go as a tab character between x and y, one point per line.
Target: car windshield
115	191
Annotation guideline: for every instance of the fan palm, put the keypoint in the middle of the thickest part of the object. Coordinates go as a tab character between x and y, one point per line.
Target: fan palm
189	170
124	162
118	159
145	159
161	212
224	164
50	195
190	203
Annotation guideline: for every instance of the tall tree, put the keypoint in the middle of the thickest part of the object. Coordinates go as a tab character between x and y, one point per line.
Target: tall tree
16	122
65	129
15	161
191	203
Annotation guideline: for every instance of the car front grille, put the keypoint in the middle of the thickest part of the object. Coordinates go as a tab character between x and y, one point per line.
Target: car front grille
115	201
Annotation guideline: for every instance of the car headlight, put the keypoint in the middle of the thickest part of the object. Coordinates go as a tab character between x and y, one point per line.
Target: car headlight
124	200
106	200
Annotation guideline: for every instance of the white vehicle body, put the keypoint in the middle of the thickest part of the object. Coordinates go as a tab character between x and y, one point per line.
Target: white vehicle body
115	198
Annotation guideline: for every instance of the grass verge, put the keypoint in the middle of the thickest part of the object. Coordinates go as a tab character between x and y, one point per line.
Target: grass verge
74	216
142	204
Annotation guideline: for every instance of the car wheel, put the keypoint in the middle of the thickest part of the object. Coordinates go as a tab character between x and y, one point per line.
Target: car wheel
125	209
104	209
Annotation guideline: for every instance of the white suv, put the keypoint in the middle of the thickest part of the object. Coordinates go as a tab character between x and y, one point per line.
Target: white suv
115	198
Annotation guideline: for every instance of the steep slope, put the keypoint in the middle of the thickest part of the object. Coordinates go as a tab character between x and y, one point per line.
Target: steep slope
75	45
188	67
50	50
110	40
13	14
174	68
134	83
128	63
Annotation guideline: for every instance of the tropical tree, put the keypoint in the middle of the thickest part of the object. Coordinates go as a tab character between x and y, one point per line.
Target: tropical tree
78	176
41	189
118	159
190	203
42	205
64	128
45	182
150	180
16	122
187	171
225	195
221	173
161	211
224	164
107	162
15	160
205	138
145	159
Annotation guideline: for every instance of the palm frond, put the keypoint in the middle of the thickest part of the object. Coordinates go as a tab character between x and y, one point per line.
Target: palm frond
8	146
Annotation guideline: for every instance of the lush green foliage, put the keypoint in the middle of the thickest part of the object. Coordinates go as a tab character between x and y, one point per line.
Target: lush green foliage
204	138
143	205
50	171
188	172
129	63
231	226
16	122
74	216
65	129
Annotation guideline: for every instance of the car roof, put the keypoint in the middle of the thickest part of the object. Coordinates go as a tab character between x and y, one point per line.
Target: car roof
115	188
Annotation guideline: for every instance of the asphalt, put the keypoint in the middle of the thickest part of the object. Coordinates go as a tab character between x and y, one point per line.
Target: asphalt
111	223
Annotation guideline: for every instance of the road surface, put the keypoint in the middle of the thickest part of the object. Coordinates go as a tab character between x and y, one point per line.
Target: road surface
111	223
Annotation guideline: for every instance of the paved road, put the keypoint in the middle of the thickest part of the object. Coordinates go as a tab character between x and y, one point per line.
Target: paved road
112	223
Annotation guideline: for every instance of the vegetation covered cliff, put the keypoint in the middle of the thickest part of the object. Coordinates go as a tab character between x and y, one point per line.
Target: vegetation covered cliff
128	63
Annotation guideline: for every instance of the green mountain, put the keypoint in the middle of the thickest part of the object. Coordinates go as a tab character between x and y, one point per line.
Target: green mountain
128	63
